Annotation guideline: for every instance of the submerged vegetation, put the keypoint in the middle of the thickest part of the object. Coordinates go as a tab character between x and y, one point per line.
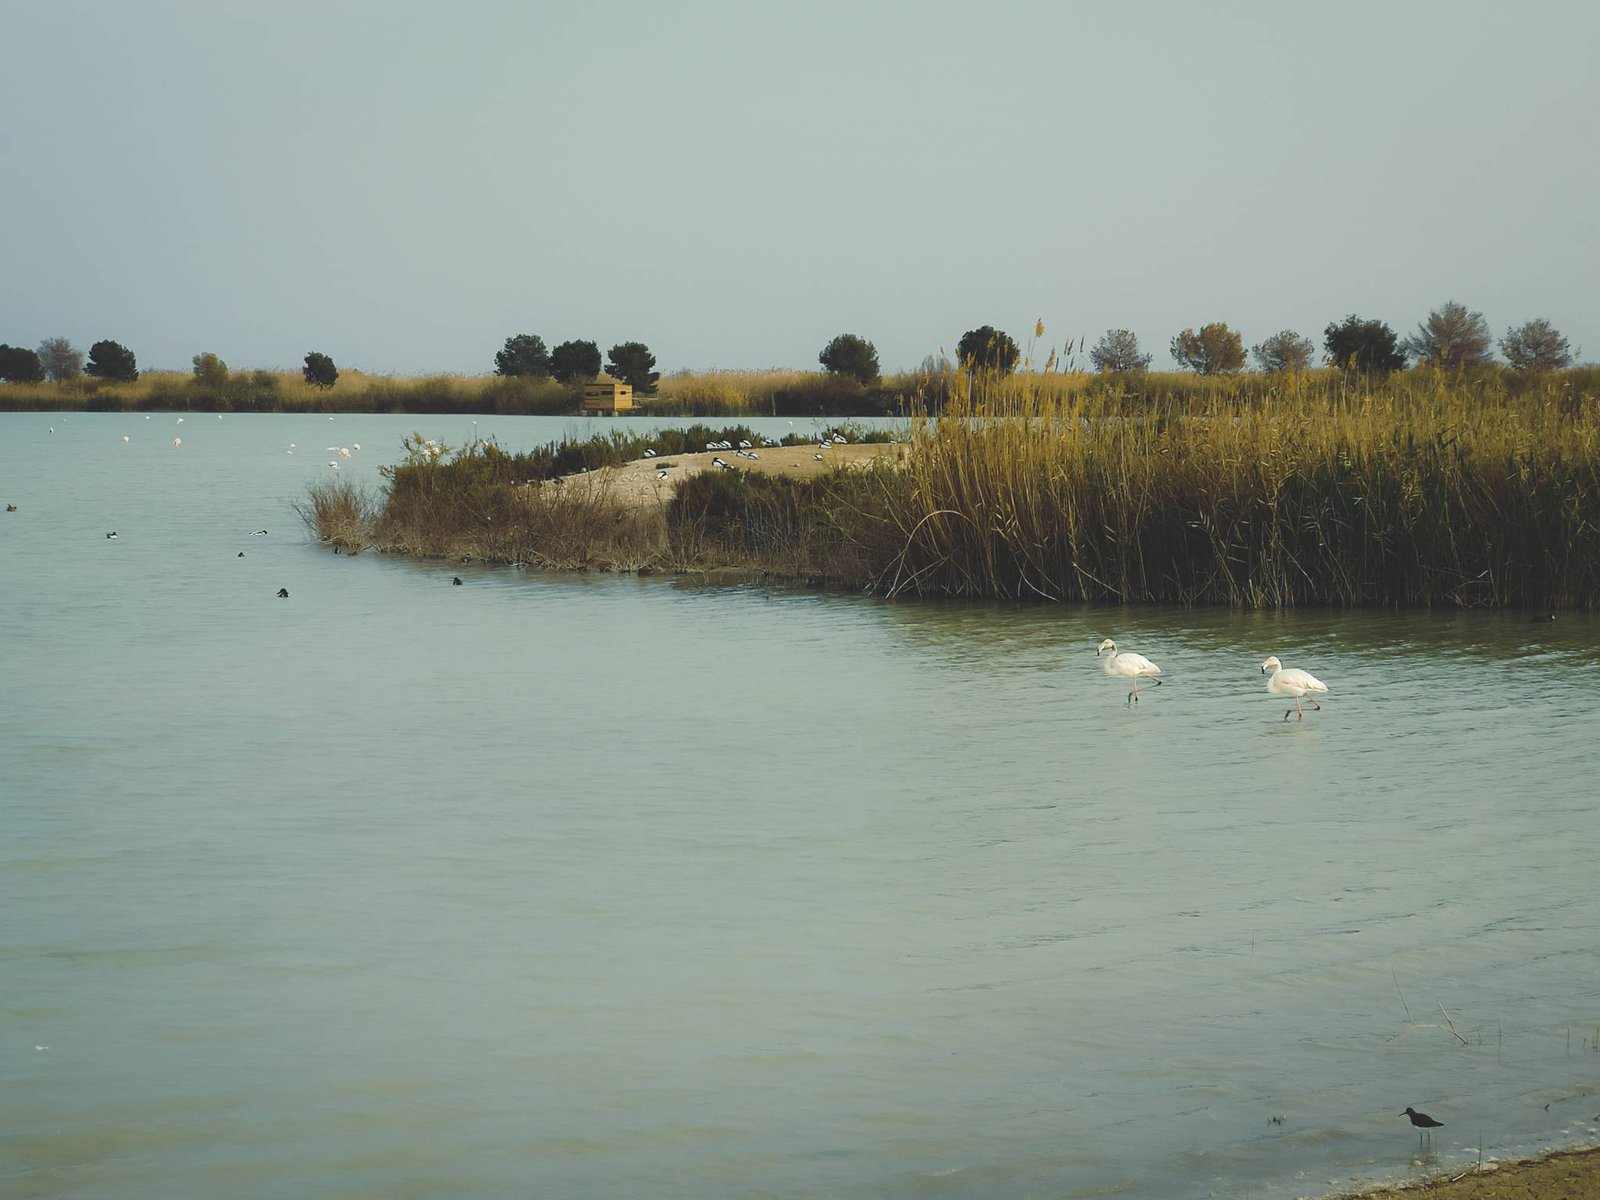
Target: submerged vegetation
1416	490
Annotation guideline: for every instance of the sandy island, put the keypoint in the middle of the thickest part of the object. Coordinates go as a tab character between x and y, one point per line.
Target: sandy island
646	481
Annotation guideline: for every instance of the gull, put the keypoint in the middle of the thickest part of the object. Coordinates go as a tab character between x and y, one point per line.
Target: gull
1294	684
1129	666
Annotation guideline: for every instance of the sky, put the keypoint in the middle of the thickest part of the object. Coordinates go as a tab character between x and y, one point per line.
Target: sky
405	185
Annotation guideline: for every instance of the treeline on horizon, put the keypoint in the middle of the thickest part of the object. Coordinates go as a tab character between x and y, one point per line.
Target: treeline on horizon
530	379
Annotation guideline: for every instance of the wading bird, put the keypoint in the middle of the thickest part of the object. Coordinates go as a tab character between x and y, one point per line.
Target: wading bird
1423	1122
1128	666
1293	684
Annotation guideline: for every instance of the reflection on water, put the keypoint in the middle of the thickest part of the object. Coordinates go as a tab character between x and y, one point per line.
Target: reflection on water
597	885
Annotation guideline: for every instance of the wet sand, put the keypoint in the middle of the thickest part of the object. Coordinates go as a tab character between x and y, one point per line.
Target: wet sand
1570	1175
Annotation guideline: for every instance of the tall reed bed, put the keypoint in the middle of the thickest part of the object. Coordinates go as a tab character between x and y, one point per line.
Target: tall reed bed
1320	491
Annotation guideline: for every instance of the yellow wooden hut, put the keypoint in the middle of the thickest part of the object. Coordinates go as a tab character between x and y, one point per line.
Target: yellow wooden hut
604	394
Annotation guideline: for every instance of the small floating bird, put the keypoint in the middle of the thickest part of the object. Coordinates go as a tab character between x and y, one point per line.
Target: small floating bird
456	581
112	534
1129	666
1294	684
1537	620
125	439
177	441
283	593
1422	1121
11	508
241	554
259	533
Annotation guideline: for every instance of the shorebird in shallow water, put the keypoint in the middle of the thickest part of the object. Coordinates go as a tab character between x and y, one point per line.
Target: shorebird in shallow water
1423	1122
1128	666
1294	684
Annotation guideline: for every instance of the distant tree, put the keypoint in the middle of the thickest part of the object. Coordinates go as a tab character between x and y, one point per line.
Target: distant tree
987	349
1118	350
209	370
112	361
1357	345
853	357
20	365
320	371
1215	350
61	361
524	354
633	363
1536	346
1452	337
572	361
1286	351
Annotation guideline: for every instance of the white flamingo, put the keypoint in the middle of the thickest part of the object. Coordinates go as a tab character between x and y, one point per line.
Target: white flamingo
1293	684
1129	666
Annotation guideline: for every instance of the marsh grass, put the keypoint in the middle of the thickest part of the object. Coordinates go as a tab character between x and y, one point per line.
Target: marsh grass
340	512
1311	489
1321	490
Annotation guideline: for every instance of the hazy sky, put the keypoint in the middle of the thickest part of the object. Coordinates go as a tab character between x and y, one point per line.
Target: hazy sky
405	185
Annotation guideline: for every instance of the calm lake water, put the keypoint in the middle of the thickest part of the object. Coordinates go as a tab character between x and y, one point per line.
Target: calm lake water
600	886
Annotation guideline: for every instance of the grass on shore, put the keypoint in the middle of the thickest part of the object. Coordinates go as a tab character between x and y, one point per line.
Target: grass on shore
1415	491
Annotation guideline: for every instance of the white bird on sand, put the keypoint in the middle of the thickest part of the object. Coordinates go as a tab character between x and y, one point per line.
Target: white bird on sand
1129	666
1293	684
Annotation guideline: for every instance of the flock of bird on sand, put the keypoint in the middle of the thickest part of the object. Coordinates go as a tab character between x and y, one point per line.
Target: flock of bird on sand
1295	684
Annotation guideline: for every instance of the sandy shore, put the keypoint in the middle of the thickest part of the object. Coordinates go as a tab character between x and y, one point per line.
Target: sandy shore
647	481
1570	1175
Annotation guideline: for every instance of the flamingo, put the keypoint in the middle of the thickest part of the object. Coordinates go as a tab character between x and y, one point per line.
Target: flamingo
1129	666
1294	684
